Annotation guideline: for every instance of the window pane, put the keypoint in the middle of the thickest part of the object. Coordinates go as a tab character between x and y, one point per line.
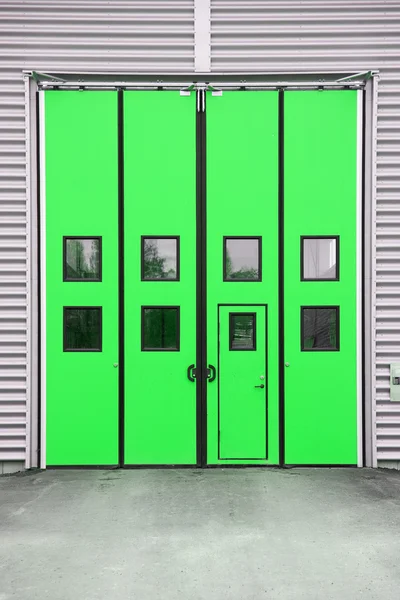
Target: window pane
82	328
242	259
320	328
160	258
242	331
82	258
319	258
160	328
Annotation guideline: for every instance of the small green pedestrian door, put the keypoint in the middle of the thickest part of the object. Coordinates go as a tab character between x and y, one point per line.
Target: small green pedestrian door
242	393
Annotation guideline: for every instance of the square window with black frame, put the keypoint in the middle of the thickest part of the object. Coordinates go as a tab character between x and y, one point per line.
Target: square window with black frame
160	258
319	328
82	259
242	258
319	258
160	328
242	331
82	328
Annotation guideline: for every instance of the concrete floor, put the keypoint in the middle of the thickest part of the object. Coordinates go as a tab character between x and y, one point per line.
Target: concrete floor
236	534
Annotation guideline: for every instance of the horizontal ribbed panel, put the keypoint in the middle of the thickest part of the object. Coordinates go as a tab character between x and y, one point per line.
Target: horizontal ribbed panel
77	36
337	35
118	36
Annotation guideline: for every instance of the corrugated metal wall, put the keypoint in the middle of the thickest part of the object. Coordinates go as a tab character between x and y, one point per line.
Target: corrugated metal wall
337	35
56	35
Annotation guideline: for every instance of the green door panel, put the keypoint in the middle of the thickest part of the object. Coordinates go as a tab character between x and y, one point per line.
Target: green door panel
81	192
241	405
242	200
320	183
160	200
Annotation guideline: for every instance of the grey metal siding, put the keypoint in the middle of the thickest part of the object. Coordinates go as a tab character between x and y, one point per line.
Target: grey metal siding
122	36
337	35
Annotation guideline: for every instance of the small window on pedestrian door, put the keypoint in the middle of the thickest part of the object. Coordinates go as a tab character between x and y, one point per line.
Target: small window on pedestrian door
242	331
319	328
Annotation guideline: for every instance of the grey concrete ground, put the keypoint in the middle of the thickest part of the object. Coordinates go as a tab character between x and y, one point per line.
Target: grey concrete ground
312	534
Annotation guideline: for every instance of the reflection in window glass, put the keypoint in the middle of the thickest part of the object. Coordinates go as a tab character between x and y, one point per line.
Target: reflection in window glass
160	258
319	258
242	331
320	328
242	258
82	328
160	328
82	258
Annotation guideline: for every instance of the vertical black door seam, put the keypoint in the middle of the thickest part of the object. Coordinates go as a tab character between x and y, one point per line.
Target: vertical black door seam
281	285
363	314
201	310
39	167
121	286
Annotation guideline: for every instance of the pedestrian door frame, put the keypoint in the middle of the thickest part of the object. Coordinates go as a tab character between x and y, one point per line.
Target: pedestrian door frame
249	307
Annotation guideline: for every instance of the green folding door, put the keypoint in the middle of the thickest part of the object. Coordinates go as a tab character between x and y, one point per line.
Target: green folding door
200	277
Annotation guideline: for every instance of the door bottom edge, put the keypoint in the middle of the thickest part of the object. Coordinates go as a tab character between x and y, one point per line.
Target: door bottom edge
159	466
80	466
242	466
320	466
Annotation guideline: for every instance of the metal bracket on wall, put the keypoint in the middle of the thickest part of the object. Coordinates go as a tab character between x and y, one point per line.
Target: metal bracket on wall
187	90
201	94
363	75
38	76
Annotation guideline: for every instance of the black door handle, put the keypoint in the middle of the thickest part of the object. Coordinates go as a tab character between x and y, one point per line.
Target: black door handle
211	373
262	386
191	373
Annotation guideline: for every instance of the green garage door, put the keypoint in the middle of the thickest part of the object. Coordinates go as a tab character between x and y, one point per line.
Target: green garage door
200	281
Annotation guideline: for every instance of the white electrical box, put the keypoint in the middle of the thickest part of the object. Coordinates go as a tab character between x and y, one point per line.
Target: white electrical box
395	382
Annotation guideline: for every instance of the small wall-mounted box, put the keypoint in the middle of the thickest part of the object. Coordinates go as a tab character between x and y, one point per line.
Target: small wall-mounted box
395	382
